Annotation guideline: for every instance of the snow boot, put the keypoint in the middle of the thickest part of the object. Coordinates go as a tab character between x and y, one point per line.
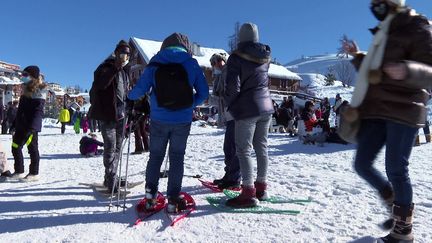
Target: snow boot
228	184
246	199
176	204
387	197
261	190
428	138
402	229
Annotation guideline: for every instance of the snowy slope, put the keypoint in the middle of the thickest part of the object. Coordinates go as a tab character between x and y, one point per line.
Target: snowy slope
58	209
314	64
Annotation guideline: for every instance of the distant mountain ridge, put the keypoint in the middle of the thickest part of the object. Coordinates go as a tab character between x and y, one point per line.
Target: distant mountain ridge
315	64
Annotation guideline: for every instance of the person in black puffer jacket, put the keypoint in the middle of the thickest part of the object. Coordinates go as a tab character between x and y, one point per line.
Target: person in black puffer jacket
248	100
28	123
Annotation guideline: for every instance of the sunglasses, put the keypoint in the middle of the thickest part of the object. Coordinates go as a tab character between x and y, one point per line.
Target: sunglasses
25	74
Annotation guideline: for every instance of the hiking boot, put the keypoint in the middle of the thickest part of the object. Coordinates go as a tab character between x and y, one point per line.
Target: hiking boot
6	174
246	199
176	204
16	175
402	229
228	184
428	138
122	182
31	177
261	190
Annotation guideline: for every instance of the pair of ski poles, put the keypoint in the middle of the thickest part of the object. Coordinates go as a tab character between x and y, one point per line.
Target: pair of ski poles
127	128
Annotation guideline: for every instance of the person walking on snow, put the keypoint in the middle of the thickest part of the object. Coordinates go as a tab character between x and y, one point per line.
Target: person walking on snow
232	176
64	118
396	73
248	100
28	123
108	104
172	74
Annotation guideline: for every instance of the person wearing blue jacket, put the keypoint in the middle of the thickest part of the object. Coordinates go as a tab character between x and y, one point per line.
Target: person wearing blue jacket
170	124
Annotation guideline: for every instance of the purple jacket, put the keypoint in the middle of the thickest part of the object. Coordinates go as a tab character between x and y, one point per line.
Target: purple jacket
247	94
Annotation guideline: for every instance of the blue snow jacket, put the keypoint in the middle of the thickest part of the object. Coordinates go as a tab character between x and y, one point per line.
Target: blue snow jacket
196	80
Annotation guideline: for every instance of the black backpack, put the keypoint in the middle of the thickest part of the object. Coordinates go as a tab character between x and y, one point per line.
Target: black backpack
172	87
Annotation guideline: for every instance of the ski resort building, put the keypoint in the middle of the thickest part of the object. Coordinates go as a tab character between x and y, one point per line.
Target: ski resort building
143	50
10	84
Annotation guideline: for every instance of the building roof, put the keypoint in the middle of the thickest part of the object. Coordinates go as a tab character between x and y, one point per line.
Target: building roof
149	48
8	81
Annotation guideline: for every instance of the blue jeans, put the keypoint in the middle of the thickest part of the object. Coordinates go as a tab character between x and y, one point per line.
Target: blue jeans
252	132
399	140
232	166
160	135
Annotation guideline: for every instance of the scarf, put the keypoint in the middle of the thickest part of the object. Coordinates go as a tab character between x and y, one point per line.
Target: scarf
372	61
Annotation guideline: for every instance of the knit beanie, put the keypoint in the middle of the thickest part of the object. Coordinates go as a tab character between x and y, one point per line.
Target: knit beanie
218	56
122	44
177	39
248	32
33	71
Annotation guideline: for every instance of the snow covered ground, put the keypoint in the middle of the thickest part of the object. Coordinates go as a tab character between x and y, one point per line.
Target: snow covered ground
344	208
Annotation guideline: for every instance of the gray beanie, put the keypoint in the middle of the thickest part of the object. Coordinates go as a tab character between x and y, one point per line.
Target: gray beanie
248	32
177	39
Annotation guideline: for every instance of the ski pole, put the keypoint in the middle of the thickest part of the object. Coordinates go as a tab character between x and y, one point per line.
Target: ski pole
164	174
119	168
126	174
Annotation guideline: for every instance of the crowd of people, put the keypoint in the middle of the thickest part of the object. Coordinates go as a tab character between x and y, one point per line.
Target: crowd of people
161	106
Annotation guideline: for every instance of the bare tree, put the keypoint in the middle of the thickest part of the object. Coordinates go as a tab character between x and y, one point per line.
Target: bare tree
233	39
341	51
345	72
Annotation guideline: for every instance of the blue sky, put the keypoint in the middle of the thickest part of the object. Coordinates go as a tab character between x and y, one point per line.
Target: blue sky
69	38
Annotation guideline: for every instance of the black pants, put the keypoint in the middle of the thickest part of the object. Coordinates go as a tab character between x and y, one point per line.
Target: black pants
141	136
63	127
19	139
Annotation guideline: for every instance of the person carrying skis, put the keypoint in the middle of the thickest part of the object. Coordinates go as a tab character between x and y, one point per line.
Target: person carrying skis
172	74
108	104
397	73
232	176
248	100
28	122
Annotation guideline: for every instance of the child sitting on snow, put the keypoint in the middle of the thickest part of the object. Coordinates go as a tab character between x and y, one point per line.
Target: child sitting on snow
89	145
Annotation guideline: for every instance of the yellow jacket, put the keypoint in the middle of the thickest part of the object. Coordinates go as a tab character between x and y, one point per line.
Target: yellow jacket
64	115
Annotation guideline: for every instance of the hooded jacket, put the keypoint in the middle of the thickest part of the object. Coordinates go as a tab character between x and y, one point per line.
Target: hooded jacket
246	90
195	76
403	101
